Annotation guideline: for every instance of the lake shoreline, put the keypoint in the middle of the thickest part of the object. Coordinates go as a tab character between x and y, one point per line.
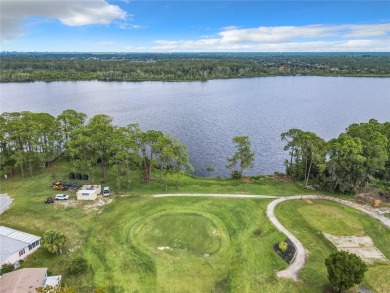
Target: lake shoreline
193	80
205	116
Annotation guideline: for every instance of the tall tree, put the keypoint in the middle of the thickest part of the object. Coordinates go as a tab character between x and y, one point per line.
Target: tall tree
291	137
172	156
125	153
147	143
346	164
243	156
374	144
69	120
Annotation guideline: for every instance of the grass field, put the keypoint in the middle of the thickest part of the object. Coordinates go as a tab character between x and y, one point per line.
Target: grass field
214	244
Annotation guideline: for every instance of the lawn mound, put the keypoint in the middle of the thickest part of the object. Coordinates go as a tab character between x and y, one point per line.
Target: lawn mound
289	254
178	232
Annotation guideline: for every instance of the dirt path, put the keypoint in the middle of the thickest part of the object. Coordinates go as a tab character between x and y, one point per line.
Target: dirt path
5	202
298	263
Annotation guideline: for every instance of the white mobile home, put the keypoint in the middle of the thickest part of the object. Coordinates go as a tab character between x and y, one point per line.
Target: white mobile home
16	245
84	194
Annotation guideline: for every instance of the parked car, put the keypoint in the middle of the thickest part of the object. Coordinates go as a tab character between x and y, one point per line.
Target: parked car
106	191
49	200
61	196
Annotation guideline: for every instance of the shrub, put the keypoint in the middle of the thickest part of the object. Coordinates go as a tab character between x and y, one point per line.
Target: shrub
236	175
53	241
6	268
78	265
283	246
345	270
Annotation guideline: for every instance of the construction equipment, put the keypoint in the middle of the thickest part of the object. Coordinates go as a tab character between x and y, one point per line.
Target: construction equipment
49	200
57	185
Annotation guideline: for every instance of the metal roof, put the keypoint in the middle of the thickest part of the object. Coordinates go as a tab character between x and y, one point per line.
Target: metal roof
18	235
13	240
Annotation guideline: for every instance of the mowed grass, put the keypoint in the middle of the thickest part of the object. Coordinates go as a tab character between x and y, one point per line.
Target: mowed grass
307	222
320	215
180	232
222	245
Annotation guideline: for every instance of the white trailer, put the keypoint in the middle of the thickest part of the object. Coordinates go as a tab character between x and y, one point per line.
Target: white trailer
86	194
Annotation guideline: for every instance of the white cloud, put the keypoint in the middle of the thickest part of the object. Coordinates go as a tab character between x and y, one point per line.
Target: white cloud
131	26
71	13
370	37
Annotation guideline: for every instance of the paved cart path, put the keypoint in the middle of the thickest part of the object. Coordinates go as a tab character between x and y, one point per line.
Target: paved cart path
298	263
5	202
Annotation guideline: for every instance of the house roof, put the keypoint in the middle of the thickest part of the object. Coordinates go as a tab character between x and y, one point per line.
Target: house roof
23	280
8	246
13	240
18	235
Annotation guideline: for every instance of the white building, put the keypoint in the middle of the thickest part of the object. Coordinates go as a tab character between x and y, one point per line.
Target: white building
89	192
16	245
86	194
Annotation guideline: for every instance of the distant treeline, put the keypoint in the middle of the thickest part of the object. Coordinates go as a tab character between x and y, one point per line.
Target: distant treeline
185	67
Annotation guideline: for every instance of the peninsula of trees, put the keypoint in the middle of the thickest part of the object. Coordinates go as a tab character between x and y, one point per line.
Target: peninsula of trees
24	67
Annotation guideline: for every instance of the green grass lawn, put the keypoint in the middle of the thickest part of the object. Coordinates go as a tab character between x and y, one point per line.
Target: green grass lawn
308	221
215	244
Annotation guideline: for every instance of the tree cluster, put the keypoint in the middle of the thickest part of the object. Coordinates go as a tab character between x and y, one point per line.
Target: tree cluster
357	157
31	140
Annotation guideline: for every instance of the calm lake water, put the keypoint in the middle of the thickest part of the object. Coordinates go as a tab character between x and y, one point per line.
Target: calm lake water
207	115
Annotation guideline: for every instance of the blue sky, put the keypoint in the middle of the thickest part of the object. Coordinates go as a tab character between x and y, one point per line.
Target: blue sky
186	26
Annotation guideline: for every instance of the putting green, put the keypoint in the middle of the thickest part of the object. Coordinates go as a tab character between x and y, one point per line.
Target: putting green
181	232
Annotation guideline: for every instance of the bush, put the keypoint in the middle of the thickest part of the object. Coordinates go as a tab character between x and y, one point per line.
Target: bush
236	175
53	241
78	265
283	246
6	268
345	270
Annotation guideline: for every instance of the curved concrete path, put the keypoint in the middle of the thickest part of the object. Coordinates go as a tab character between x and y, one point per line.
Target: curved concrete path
5	202
298	263
216	195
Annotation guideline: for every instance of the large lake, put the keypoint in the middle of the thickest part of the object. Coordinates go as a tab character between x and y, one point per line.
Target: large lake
207	115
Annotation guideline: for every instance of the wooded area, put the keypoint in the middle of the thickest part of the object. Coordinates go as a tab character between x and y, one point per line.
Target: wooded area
185	66
29	140
348	163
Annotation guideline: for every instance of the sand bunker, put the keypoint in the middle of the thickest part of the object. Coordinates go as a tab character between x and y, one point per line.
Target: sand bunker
361	246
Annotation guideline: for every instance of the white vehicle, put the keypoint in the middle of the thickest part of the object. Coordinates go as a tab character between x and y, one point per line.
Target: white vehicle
106	191
61	196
